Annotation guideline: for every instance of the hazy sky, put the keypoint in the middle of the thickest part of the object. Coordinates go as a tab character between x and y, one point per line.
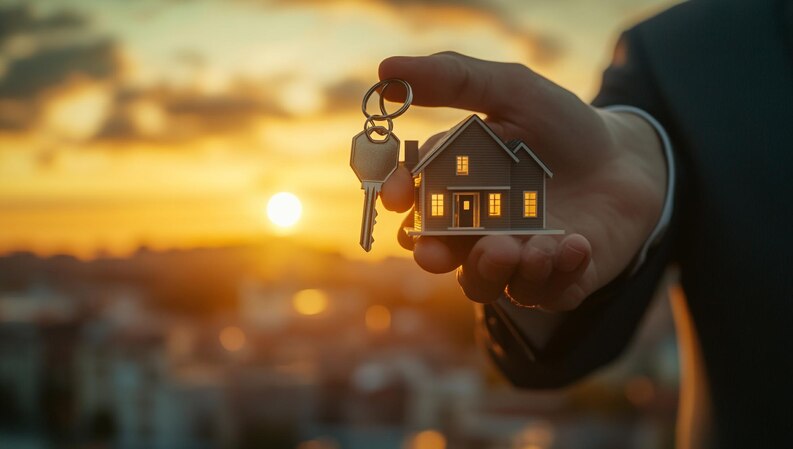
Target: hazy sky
171	123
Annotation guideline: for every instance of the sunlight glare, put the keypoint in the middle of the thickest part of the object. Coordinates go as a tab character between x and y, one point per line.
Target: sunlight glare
284	209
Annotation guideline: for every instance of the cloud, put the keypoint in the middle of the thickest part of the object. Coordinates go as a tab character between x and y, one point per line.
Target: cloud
346	94
29	77
169	115
16	20
45	53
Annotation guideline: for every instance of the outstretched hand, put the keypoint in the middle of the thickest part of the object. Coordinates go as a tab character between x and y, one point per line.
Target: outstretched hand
608	185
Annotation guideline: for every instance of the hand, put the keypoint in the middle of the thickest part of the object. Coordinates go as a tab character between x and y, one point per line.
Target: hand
606	193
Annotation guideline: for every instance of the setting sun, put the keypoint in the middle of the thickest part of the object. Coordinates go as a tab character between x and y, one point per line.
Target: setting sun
284	209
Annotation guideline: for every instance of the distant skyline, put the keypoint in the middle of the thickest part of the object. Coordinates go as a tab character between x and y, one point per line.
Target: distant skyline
171	123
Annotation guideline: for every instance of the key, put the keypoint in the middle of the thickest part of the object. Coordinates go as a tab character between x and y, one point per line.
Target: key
373	163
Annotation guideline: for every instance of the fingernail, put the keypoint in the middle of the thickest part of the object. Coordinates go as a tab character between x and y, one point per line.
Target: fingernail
570	259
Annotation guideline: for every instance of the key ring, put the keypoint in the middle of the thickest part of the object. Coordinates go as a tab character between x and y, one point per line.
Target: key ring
379	129
383	115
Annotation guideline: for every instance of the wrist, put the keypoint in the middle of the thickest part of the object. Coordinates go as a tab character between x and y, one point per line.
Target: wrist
646	141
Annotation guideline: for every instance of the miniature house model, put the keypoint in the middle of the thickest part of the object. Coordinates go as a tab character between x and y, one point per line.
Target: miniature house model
472	183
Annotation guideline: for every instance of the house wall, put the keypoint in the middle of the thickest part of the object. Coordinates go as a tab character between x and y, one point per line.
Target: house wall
526	175
488	165
417	215
499	222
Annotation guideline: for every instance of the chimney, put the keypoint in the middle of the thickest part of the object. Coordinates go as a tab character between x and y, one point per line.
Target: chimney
411	154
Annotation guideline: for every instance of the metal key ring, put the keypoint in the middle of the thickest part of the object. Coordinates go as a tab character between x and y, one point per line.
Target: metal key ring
380	128
384	84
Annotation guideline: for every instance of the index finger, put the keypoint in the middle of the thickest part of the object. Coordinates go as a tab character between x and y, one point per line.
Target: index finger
454	80
397	192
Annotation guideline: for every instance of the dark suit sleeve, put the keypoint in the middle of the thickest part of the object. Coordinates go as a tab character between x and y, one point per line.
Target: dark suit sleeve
599	330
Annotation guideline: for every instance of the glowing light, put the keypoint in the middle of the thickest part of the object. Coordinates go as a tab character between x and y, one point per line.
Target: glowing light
77	111
232	338
310	302
538	435
284	209
302	97
378	318
148	117
428	439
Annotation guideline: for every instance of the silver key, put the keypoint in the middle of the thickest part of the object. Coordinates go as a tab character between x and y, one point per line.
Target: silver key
373	162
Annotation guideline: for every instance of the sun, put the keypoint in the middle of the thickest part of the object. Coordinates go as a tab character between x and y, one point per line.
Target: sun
284	209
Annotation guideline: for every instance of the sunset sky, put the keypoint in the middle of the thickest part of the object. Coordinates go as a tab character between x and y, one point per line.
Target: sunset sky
170	123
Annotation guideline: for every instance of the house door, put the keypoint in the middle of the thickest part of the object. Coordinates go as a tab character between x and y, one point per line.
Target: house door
466	207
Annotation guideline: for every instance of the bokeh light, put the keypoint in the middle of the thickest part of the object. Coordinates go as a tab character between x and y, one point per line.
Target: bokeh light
378	318
232	338
427	439
310	301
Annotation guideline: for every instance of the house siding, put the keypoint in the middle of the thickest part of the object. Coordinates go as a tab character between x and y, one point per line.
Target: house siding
488	165
526	176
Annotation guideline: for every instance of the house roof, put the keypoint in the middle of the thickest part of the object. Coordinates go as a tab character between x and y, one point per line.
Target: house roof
511	148
517	145
452	134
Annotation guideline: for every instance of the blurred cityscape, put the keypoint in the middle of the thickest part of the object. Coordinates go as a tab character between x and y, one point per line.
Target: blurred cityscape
280	346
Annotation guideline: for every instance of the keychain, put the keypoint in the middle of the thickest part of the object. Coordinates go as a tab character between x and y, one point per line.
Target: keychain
374	160
470	182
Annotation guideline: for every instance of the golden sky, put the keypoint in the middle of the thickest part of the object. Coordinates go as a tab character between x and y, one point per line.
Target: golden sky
170	123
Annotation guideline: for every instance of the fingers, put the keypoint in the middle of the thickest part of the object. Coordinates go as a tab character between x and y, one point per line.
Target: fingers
552	274
397	192
434	255
544	272
406	241
518	102
451	79
488	267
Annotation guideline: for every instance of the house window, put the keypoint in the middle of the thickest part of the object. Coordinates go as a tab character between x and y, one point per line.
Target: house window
494	204
437	204
530	204
417	181
462	165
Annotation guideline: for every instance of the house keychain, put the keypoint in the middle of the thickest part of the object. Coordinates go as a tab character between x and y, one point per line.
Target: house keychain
374	160
470	182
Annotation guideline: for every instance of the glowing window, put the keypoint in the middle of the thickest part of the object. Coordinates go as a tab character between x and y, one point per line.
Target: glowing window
437	204
462	165
417	181
530	204
494	204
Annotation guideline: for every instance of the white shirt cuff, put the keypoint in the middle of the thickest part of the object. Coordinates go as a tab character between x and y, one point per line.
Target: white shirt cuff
666	213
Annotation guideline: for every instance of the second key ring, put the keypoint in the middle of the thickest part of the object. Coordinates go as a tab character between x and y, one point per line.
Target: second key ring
384	84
